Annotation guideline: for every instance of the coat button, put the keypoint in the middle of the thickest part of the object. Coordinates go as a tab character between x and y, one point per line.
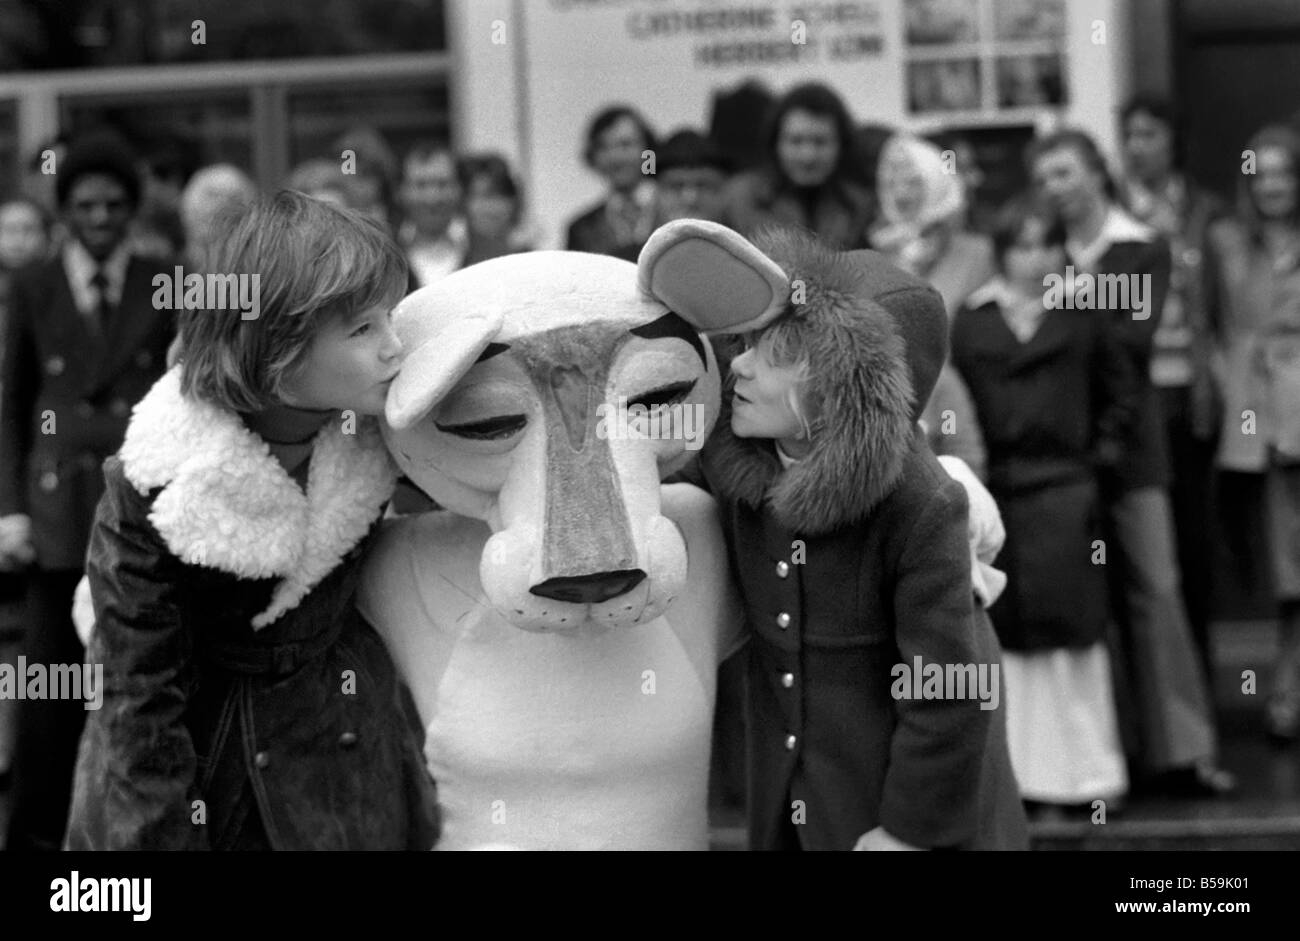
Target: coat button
790	741
120	408
261	759
348	739
782	569
84	409
144	359
49	481
787	680
55	365
783	620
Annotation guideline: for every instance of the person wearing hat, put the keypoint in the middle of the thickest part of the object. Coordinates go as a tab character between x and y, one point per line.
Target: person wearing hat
82	343
863	570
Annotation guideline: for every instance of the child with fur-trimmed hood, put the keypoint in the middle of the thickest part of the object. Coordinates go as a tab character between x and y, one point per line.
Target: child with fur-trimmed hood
875	708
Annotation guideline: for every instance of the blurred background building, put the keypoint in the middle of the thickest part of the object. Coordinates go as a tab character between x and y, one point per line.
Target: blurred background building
270	87
264	86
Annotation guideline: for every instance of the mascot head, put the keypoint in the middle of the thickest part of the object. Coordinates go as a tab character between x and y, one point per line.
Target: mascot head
548	393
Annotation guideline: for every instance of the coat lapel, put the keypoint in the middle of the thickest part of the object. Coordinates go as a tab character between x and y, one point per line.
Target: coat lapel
1052	335
225	502
74	338
129	322
995	338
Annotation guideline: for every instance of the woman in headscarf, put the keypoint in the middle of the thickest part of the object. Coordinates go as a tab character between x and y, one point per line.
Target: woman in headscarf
922	203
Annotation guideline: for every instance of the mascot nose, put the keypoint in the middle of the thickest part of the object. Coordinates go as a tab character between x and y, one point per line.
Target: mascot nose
589	589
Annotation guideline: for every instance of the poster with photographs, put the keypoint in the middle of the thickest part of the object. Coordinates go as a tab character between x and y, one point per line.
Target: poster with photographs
1029	19
1027	81
948	85
940	22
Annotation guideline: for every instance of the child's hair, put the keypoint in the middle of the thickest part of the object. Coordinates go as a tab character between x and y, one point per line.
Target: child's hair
786	349
1010	222
314	261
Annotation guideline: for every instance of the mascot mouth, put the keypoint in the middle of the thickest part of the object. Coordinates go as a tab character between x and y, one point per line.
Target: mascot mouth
589	589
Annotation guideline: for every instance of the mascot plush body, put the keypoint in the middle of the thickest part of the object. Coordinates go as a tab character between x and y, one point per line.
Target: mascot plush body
561	620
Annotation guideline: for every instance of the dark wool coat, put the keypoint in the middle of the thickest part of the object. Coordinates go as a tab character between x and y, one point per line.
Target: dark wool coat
236	666
852	562
1145	462
591	231
1054	409
840	213
86	380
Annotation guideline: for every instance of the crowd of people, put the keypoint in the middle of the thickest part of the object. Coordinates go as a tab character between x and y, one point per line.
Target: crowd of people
1108	436
1114	436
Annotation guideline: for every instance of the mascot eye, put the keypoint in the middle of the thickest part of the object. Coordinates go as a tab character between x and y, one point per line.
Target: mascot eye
670	394
492	429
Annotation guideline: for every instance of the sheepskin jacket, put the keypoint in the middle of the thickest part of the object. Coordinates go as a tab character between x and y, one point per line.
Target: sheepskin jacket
851	562
237	670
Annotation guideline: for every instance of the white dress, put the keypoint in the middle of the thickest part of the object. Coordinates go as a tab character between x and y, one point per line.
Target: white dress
1062	729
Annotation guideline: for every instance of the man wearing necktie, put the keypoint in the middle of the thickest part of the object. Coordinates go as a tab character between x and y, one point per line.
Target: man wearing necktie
617	142
82	344
99	281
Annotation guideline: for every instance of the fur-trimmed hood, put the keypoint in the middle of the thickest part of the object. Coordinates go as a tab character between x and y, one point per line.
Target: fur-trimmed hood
877	338
225	502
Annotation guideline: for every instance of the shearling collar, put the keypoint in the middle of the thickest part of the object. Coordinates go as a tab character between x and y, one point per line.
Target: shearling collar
859	373
227	503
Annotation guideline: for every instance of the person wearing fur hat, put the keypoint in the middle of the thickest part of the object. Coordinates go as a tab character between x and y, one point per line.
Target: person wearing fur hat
849	542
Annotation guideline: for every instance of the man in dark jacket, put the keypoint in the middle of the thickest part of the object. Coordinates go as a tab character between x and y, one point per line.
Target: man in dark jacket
1128	264
618	140
83	343
1160	194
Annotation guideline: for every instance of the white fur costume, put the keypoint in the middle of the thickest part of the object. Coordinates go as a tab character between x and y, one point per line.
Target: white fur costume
561	621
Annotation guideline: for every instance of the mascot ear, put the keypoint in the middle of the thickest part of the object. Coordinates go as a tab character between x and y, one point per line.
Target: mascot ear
441	348
712	277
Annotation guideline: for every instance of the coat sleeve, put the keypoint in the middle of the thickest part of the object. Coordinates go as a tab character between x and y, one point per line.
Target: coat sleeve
18	378
1137	334
966	440
1115	387
931	791
136	777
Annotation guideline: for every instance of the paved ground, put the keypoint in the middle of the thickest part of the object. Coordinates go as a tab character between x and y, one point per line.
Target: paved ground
1265	814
